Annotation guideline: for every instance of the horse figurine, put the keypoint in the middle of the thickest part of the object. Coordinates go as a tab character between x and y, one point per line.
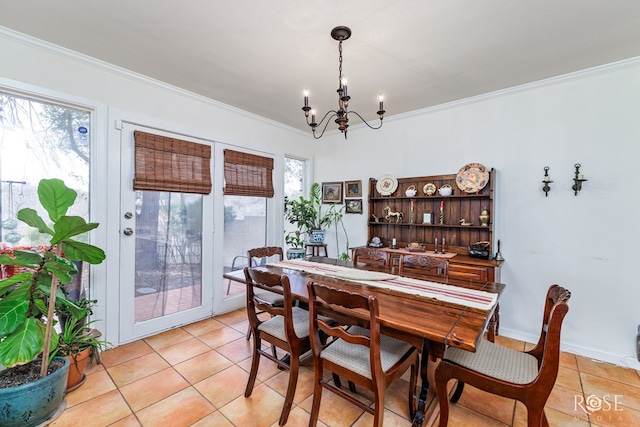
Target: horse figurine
399	215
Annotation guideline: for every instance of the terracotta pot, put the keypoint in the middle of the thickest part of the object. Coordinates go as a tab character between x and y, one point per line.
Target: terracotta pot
78	363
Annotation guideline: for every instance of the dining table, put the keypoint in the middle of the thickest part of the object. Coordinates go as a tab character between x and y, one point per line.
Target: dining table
430	313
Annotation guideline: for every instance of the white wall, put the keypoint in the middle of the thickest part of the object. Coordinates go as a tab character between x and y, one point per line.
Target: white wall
585	242
34	67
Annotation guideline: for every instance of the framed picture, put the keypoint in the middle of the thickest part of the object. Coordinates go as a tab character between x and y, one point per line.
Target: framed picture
353	188
426	218
332	192
354	206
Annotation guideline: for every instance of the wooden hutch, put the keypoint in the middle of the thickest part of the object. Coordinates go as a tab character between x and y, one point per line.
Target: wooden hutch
457	237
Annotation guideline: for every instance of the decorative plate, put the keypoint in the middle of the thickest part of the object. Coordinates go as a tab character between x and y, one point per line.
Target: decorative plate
429	189
386	185
472	178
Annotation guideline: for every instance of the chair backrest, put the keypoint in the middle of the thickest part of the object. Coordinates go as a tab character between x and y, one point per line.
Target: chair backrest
263	253
420	265
372	257
547	350
346	309
271	282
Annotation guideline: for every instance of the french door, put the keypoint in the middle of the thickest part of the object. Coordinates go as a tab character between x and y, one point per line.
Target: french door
165	279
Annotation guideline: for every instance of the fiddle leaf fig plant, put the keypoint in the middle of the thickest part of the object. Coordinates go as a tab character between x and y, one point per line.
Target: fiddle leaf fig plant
26	322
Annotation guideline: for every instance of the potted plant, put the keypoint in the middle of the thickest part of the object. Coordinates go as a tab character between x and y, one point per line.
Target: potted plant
27	307
81	309
295	242
310	220
79	343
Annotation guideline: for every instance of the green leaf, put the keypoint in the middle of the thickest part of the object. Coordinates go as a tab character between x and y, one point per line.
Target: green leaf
22	258
27	258
22	345
69	226
13	280
61	270
55	197
79	251
31	217
13	312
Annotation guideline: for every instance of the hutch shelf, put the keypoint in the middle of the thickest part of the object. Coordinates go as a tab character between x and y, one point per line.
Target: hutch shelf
458	208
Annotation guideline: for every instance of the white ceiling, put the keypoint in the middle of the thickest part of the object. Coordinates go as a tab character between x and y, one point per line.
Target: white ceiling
259	55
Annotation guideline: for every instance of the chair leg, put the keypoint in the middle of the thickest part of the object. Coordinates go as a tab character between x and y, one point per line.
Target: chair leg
412	388
352	387
228	286
294	366
248	332
378	409
536	417
458	393
255	364
442	379
336	379
317	396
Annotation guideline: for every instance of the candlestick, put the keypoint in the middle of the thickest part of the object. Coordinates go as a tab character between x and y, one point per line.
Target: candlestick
443	245
441	214
411	216
435	247
380	98
393	241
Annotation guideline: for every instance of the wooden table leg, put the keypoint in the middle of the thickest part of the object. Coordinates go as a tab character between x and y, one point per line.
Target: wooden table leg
427	402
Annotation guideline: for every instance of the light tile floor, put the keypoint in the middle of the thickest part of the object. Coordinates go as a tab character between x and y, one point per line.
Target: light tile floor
195	376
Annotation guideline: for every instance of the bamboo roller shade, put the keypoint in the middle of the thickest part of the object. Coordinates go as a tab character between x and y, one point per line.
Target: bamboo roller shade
247	174
169	164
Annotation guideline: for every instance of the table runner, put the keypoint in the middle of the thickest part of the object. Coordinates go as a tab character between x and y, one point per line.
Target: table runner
448	293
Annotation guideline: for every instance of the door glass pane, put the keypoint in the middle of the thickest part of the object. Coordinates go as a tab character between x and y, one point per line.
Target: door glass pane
168	260
40	139
294	173
245	227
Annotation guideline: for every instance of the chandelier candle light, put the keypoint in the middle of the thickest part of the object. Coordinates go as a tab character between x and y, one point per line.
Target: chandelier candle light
342	113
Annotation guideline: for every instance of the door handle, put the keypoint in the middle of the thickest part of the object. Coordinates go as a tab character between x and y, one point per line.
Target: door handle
127	231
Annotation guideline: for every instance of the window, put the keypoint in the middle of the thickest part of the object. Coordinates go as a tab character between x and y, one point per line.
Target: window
248	186
294	174
40	139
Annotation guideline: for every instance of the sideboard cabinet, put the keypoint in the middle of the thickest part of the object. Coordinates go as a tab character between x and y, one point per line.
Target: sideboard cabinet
455	229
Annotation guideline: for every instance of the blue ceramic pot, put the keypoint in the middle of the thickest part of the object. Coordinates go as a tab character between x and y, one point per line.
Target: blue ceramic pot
295	253
34	403
317	236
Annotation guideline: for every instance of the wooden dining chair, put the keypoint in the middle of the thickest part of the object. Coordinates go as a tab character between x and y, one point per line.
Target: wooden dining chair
260	256
424	265
287	329
355	349
527	376
371	257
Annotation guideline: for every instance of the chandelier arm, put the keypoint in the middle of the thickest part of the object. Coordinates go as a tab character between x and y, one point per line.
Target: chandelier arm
325	116
364	121
326	124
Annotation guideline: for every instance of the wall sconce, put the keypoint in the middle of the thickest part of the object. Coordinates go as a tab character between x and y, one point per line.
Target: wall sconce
578	179
546	181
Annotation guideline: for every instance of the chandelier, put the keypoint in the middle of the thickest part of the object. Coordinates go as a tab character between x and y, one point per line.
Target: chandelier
342	113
